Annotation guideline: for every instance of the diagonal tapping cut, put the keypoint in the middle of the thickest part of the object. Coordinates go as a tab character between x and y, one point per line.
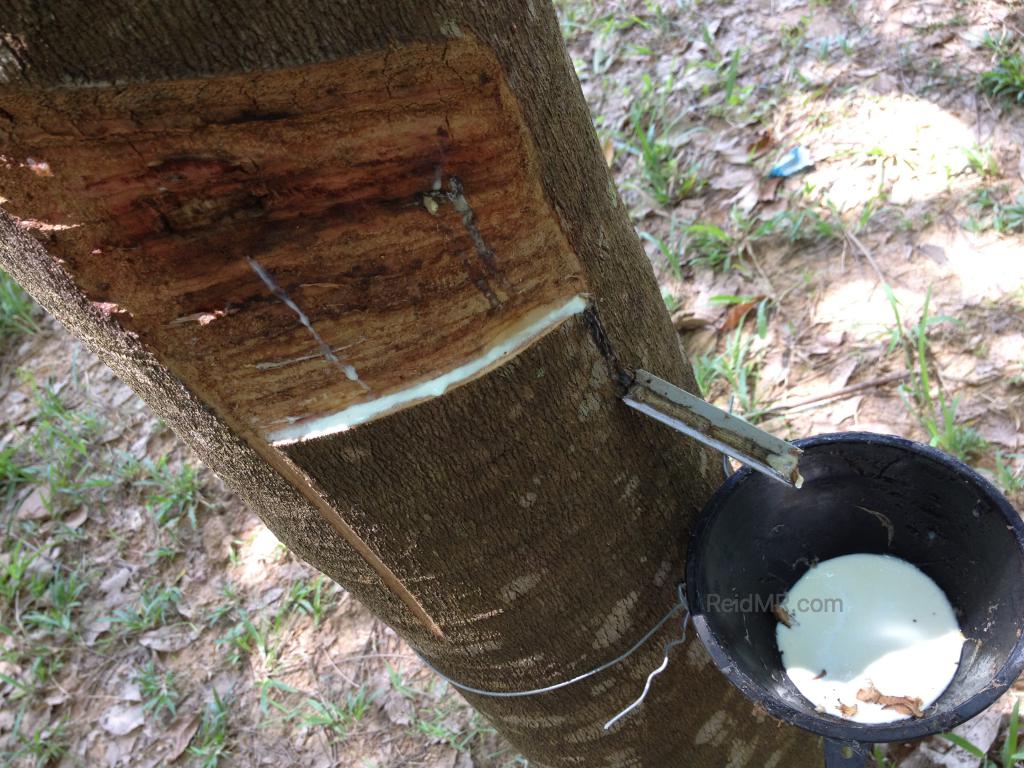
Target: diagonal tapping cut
527	331
309	489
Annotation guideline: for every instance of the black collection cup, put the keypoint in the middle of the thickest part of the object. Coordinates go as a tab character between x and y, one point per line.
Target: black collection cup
862	493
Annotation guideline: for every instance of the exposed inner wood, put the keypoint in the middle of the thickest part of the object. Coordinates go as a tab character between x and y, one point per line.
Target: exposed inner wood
301	241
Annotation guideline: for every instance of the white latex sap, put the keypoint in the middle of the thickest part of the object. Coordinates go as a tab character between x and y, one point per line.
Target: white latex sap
434	387
864	625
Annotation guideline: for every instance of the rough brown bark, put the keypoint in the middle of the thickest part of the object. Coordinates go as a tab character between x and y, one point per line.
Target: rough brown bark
520	529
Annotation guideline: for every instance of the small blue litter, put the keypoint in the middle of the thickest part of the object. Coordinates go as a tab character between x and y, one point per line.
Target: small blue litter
796	160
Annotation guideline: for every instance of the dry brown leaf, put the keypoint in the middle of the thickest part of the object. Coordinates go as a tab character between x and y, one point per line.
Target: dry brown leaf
841	373
33	507
782	615
846	409
768	189
998	429
216	538
609	151
94	628
398	708
181	735
120	749
172	638
940	37
122	718
746	199
116	581
847	710
686	320
761	144
934	252
734	177
733	148
57	698
905	705
737	312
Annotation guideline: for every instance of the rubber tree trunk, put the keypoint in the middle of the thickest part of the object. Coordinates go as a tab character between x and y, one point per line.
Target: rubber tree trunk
366	259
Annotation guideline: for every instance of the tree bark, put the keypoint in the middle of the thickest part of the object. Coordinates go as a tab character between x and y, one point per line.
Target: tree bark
367	260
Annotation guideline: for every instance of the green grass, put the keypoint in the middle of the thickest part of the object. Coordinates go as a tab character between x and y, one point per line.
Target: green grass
880	760
261	635
992	210
159	694
665	175
16	577
59	454
807	225
17	311
982	161
1010	479
934	409
337	719
704	373
436	723
671	248
1009	755
398	683
740	371
172	494
40	663
210	744
947	433
312	597
156	606
793	36
61	445
1006	79
245	638
43	747
578	17
232	601
435	712
711	246
255	635
59	602
38	609
14	474
734	95
671	302
725	247
738	366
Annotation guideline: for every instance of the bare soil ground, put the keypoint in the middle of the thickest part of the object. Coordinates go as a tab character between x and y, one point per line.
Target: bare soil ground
147	618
